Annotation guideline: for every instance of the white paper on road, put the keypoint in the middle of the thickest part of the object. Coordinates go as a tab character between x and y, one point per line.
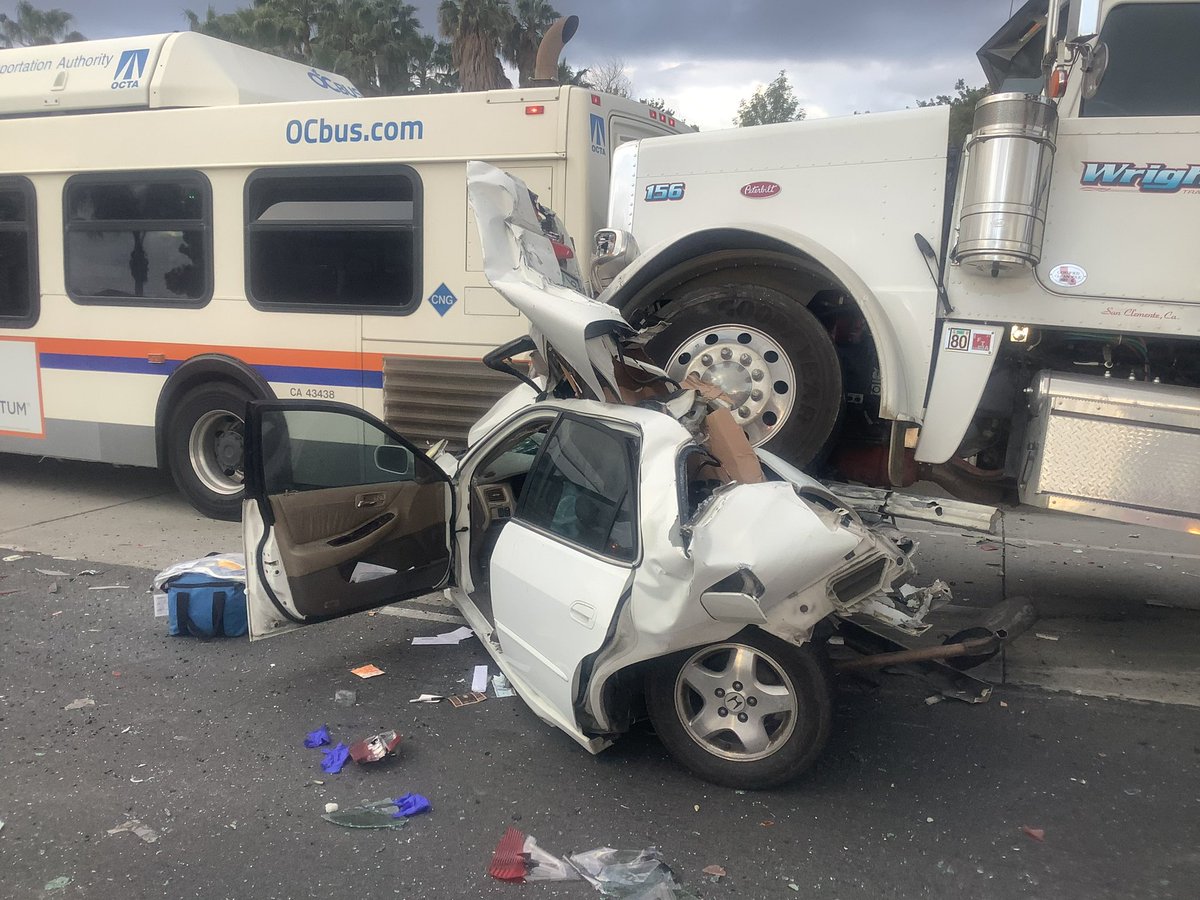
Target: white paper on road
479	681
365	571
457	636
160	605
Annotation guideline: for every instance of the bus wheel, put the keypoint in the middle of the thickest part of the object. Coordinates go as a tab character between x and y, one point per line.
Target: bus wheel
768	353
205	446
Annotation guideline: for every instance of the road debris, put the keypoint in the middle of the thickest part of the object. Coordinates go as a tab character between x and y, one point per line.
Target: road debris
109	587
331	807
467	699
318	737
605	869
145	832
934	698
53	588
88	572
376	814
412	805
1038	834
370	670
15	558
57	884
428	698
479	678
53	573
81	703
501	688
1045	637
334	758
455	637
715	873
375	747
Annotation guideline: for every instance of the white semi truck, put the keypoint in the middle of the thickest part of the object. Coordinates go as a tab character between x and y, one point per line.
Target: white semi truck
1021	313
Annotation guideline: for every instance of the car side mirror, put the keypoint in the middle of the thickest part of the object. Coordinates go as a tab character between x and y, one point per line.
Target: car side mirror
612	251
394	459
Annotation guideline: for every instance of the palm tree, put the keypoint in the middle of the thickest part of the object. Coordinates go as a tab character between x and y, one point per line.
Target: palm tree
477	30
33	27
529	25
431	70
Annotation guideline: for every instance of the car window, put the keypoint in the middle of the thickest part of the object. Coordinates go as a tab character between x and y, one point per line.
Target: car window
582	488
311	449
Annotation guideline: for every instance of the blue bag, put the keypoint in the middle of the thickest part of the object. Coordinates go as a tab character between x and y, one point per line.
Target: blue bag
199	605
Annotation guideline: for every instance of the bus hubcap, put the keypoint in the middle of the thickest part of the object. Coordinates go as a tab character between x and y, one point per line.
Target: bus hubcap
216	447
750	367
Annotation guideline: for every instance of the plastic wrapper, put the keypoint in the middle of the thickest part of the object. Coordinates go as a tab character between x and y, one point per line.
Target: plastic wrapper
629	874
543	866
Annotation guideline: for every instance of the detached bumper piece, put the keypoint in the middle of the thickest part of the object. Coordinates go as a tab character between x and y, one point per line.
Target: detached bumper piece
959	638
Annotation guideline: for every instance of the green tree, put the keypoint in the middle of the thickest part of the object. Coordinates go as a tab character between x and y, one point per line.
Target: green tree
477	31
567	75
33	27
531	18
431	70
962	108
774	103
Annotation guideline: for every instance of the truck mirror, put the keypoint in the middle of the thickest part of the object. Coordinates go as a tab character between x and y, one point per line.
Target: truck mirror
1094	65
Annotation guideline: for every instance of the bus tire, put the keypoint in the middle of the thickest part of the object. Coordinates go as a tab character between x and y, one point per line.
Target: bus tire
769	353
205	445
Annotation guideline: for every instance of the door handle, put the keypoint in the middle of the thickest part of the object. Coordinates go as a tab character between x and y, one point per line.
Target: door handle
583	613
365	501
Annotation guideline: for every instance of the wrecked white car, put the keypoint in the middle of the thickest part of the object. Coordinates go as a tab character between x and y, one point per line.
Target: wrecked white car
609	534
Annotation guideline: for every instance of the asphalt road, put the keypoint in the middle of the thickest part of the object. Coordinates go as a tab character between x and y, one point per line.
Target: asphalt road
201	742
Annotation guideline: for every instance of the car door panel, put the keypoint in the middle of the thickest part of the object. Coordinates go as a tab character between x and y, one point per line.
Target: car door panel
564	563
322	501
553	604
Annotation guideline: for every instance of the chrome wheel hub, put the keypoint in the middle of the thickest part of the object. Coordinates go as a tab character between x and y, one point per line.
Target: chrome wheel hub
750	367
736	702
215	449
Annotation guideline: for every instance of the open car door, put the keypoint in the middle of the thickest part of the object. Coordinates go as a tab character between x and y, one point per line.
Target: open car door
341	515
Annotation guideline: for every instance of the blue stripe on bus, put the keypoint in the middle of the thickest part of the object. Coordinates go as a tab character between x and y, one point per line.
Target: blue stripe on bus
284	374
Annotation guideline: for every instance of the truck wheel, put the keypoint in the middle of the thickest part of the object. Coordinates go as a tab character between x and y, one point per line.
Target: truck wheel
204	448
752	712
768	353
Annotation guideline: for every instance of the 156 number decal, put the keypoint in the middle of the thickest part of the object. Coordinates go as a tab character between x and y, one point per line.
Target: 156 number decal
672	191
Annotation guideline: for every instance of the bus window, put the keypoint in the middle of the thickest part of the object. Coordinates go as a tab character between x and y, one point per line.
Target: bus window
334	240
141	237
18	257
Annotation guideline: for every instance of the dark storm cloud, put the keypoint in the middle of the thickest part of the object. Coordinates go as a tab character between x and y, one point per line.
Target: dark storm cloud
775	29
804	30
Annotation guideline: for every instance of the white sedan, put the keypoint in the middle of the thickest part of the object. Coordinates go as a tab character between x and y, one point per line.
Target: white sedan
608	533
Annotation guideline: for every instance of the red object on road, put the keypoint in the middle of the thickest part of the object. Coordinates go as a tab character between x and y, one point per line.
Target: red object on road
508	862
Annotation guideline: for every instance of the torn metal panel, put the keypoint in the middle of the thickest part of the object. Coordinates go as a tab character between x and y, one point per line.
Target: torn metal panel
521	264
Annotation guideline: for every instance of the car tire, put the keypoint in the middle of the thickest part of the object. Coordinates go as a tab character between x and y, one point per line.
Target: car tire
686	693
780	365
204	448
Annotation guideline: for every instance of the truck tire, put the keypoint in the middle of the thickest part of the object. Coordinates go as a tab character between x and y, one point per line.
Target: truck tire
769	353
204	448
752	712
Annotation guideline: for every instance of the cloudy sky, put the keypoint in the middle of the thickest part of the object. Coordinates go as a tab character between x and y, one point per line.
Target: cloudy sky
703	56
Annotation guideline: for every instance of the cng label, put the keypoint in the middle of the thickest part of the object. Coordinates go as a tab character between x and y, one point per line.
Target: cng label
442	299
130	67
